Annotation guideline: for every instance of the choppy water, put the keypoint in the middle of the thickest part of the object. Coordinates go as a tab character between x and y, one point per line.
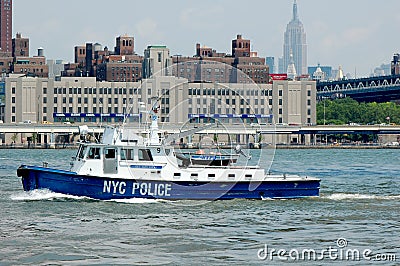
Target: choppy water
360	202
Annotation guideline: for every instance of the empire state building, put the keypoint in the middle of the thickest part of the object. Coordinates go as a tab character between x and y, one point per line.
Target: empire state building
295	44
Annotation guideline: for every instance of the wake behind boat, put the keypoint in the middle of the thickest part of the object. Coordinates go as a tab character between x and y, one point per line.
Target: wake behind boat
128	164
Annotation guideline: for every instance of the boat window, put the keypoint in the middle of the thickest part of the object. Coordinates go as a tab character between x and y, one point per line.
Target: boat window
82	151
145	155
126	154
109	153
94	153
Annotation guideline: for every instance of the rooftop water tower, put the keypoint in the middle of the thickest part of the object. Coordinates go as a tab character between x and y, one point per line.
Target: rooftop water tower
98	47
40	52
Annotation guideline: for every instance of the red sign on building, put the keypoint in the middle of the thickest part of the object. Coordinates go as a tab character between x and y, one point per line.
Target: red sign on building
278	77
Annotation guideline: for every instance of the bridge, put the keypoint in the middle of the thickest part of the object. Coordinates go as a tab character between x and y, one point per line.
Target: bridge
373	89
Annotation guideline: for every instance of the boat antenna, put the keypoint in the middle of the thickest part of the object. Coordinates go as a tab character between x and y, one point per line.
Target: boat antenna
154	138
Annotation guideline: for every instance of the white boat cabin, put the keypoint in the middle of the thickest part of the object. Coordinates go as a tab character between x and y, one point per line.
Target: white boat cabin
128	155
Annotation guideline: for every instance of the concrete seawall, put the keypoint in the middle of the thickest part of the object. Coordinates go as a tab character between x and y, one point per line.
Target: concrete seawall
283	147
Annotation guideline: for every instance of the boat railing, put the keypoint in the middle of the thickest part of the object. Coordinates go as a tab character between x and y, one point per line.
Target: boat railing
225	167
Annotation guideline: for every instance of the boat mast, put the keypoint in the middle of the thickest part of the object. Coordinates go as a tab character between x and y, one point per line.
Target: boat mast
154	137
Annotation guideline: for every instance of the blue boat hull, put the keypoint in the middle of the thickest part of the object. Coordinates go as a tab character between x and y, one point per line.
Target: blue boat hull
105	188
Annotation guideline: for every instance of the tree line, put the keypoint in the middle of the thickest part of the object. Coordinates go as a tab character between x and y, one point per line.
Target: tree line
348	111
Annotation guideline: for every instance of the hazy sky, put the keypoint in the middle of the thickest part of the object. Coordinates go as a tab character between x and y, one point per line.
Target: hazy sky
357	34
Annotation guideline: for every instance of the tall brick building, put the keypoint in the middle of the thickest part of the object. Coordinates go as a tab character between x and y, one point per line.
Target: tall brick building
80	55
20	46
5	28
35	66
125	45
92	60
120	68
18	60
240	47
242	58
23	63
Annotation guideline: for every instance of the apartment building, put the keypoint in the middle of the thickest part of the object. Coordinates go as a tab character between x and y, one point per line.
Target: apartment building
5	28
242	64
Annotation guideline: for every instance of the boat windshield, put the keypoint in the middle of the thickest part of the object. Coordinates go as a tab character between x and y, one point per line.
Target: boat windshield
82	151
126	154
145	155
94	153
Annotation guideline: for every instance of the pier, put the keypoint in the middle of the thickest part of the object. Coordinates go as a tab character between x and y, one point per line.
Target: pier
21	135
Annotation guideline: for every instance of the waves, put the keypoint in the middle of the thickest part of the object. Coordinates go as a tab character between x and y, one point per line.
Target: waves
356	196
42	194
136	200
45	194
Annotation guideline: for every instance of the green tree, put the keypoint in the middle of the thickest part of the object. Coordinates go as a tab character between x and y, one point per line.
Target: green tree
34	137
14	137
347	110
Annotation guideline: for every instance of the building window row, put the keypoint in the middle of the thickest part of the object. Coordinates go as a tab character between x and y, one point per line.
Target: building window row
194	91
266	92
121	91
94	100
126	68
33	70
228	101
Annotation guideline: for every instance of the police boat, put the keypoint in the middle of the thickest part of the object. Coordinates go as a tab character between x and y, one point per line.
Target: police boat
127	164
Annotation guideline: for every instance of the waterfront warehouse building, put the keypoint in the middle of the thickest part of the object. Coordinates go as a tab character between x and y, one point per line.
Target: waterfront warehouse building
83	100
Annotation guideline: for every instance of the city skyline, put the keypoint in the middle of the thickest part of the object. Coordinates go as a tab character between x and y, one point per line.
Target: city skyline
353	34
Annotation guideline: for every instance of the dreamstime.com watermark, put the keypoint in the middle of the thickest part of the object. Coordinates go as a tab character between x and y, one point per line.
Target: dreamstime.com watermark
338	252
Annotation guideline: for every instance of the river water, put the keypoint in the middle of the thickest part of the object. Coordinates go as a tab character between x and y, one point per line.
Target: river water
358	214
